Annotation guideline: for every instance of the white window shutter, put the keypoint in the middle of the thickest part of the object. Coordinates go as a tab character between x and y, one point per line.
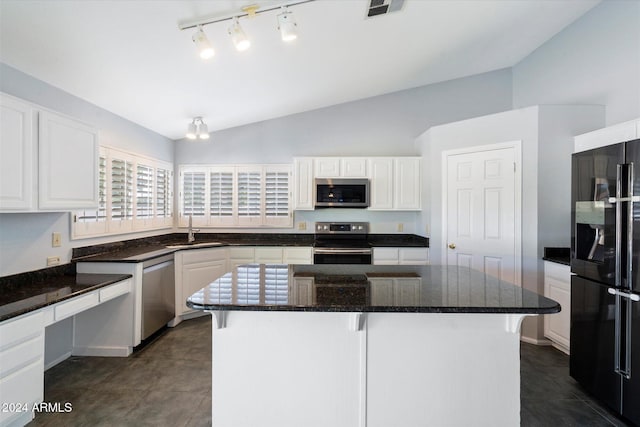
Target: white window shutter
277	196
249	193
221	208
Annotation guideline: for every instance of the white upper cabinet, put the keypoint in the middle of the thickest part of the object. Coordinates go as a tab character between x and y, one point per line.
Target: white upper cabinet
337	167
68	163
17	147
381	189
303	183
620	132
406	187
395	183
58	168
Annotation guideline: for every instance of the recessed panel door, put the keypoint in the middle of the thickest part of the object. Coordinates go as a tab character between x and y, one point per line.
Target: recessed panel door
481	212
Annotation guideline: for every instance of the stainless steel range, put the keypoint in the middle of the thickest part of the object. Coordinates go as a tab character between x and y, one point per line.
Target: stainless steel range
341	243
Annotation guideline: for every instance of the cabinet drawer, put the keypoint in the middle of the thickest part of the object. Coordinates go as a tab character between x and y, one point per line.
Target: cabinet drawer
76	305
193	256
385	256
558	271
268	255
243	253
115	290
20	355
298	256
15	331
413	256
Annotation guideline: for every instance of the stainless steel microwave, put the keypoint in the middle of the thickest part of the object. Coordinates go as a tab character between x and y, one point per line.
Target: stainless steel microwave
342	193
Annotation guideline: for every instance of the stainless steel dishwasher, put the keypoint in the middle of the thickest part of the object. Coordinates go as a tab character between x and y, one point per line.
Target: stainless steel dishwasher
158	294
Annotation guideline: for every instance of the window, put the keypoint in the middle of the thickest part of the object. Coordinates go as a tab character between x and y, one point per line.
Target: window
135	194
236	196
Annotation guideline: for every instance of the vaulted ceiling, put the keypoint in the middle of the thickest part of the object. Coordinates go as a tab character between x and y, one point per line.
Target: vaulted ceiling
131	58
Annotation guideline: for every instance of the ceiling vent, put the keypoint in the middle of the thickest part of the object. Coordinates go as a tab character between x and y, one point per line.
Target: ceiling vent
382	7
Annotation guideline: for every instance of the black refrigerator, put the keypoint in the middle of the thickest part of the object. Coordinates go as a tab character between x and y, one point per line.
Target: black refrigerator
605	285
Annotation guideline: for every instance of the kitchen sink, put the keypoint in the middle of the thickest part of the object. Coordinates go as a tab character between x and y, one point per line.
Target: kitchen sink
194	245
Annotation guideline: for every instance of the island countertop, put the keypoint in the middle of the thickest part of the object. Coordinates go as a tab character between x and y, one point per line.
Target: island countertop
367	288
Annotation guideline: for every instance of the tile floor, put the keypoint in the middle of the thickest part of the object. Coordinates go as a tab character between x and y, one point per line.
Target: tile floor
168	383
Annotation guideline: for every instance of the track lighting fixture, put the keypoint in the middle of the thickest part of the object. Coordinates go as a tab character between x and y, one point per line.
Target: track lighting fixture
239	38
197	129
286	25
202	44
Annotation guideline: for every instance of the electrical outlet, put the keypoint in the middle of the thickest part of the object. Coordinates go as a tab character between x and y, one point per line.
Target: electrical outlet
56	240
53	260
302	225
400	226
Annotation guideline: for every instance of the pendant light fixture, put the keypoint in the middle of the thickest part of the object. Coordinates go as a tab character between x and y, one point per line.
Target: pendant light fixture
197	129
202	44
287	26
239	38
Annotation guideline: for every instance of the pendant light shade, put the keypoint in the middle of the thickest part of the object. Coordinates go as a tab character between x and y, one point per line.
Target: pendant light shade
238	37
203	130
202	44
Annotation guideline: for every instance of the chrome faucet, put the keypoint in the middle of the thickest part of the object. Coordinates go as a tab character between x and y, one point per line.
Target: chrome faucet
191	236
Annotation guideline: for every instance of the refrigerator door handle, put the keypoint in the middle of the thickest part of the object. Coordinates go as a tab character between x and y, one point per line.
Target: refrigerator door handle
632	297
618	266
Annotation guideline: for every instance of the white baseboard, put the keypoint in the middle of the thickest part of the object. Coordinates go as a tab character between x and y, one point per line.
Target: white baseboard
102	351
535	341
561	348
59	359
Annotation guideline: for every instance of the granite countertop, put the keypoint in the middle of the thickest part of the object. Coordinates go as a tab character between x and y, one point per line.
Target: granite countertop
140	250
348	288
558	255
22	293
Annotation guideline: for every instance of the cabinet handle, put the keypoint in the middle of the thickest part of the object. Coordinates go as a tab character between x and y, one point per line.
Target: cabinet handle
452	245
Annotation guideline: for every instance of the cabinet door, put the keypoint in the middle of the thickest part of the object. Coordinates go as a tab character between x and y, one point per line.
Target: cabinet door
407	186
196	277
353	167
381	190
17	151
557	286
68	163
326	167
302	291
381	291
406	291
303	184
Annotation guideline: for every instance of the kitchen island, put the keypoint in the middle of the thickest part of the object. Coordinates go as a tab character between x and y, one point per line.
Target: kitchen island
362	345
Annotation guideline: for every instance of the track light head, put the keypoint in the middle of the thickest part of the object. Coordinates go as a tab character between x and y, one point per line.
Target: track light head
238	36
203	130
287	26
202	44
192	130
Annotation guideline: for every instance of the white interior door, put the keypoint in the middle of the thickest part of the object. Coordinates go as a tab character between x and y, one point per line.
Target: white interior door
482	210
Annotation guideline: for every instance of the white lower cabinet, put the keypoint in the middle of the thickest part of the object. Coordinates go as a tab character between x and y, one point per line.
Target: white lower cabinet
195	269
397	291
21	368
400	256
557	286
302	291
268	255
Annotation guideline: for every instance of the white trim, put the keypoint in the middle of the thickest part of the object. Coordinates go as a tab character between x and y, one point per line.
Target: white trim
517	147
57	360
102	351
535	341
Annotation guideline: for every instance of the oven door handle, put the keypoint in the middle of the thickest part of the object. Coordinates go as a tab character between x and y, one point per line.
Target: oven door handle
342	251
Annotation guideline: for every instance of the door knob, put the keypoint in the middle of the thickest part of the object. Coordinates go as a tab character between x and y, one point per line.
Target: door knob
452	245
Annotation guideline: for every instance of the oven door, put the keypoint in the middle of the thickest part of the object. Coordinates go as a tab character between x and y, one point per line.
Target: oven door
341	256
